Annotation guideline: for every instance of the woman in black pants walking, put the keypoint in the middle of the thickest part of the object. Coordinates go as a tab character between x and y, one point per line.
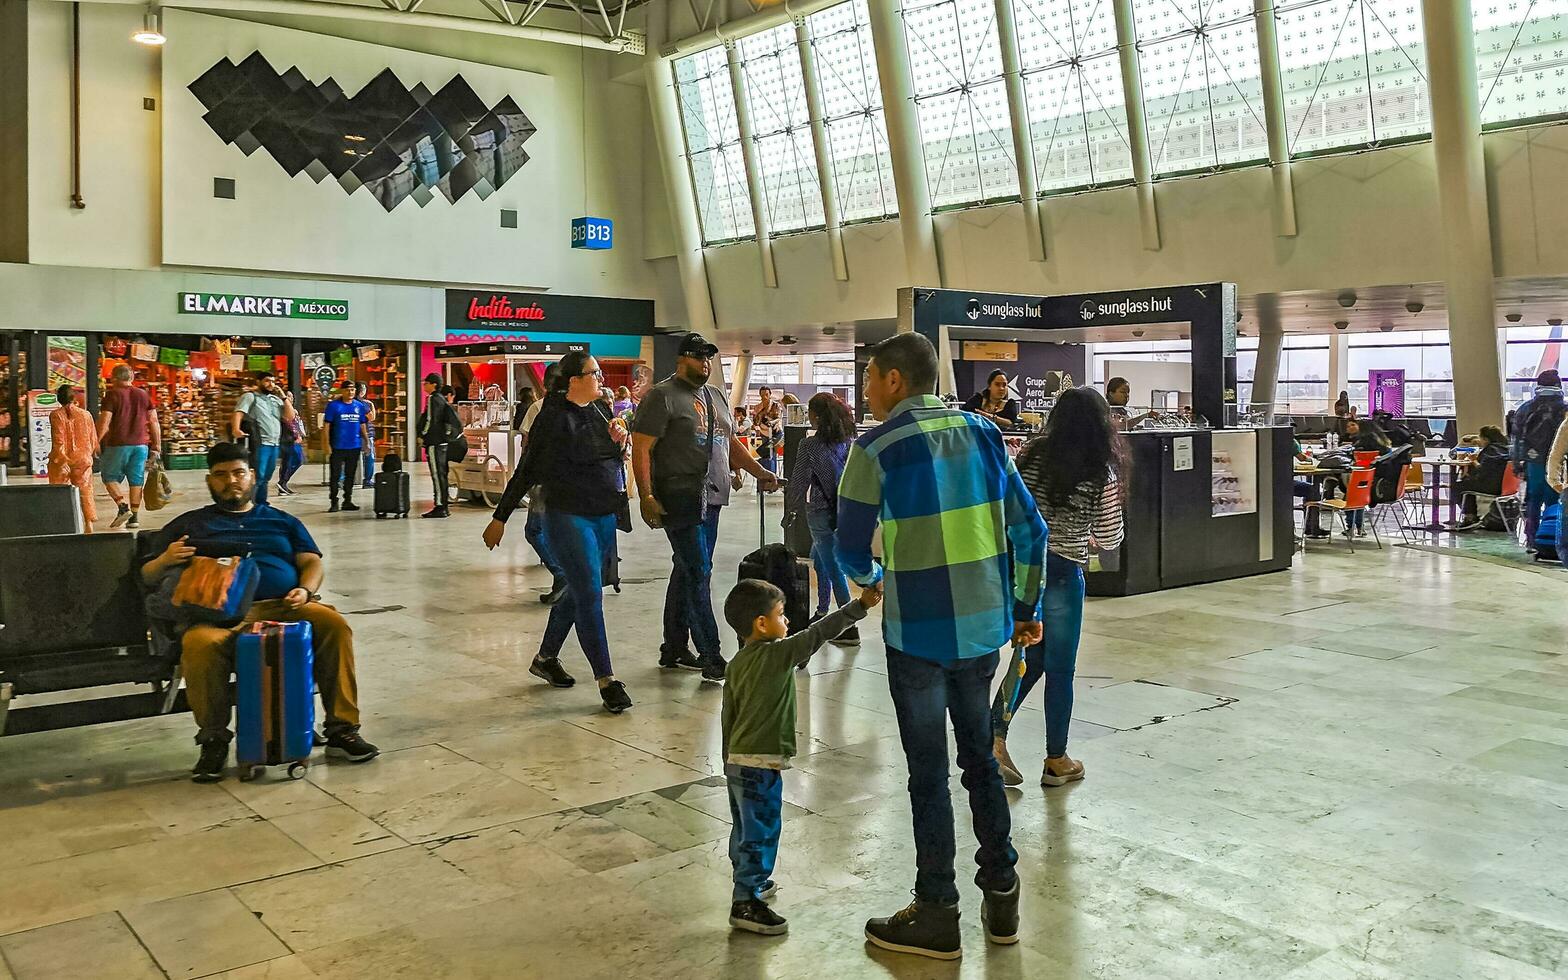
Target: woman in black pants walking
575	454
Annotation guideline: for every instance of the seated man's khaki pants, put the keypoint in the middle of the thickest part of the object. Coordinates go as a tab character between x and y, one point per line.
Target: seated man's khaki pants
207	660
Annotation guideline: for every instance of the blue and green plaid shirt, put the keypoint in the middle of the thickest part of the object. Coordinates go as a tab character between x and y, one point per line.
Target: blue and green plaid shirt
950	501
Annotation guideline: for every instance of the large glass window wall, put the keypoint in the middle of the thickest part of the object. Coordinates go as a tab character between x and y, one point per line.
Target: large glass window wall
1522	52
852	109
718	173
781	126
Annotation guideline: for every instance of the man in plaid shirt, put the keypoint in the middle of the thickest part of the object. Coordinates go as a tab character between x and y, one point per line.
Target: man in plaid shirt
950	503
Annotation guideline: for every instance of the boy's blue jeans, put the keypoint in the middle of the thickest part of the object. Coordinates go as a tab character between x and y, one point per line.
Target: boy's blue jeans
756	819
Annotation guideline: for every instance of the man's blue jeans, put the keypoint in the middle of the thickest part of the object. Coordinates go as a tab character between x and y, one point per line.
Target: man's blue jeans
688	601
370	467
580	544
1055	658
756	820
825	558
534	533
1562	531
1537	494
925	695
266	462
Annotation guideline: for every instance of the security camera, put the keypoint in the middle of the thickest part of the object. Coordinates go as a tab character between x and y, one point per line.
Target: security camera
767	340
1386	327
1514	317
829	330
1137	333
1341	324
1555	321
786	340
1414	306
745	350
1347	299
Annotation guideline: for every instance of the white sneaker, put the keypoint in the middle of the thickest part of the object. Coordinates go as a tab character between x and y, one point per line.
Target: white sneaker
120	518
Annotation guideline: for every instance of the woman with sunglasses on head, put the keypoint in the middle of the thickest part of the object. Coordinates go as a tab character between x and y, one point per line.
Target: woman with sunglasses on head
1074	469
574	454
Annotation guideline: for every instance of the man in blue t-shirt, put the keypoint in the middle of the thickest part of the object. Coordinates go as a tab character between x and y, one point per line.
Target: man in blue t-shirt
347	434
288	592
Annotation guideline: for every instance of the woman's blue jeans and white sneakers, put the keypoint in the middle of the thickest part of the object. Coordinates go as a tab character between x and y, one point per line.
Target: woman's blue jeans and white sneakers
830	577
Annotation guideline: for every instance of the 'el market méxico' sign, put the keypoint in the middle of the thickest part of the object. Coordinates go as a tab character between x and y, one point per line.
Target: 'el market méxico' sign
278	307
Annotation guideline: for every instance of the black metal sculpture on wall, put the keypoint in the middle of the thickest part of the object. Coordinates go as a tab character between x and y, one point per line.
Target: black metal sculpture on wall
399	142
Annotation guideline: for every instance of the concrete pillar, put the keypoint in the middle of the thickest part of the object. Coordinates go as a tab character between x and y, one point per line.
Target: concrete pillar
740	380
1018	110
670	141
748	153
819	143
1274	119
1467	232
1271	340
903	137
1338	368
1137	124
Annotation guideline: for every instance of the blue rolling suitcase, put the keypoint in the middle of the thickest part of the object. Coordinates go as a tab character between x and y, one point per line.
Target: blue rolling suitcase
1546	534
276	713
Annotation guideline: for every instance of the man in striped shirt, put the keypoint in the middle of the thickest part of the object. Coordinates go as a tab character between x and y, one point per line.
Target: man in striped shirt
950	504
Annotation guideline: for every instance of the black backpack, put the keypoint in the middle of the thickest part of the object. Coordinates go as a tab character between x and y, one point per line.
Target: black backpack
1541	427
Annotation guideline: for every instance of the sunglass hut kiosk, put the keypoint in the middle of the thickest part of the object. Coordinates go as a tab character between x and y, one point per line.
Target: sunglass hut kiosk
1202	504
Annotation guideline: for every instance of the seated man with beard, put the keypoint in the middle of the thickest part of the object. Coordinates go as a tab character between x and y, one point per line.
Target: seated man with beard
289	592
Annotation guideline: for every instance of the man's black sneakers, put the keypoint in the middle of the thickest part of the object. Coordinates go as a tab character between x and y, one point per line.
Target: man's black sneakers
713	669
332	508
348	745
616	700
999	915
557	590
550	669
436	512
209	767
923	928
755	916
682	659
350	505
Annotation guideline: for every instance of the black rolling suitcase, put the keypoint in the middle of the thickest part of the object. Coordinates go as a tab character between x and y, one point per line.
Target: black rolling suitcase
390	488
776	563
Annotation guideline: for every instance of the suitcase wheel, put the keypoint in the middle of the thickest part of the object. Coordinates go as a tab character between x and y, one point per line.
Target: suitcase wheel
248	773
297	770
379	515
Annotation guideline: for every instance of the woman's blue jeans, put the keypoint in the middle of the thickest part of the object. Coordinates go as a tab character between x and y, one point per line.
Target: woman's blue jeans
1055	658
580	544
829	574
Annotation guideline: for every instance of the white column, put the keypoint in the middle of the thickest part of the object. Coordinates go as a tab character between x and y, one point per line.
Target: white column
659	79
1018	110
1137	126
1274	119
1271	338
903	136
1338	367
748	153
819	143
1467	231
741	380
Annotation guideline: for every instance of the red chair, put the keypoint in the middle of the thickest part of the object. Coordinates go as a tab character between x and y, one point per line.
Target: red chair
1358	497
1365	457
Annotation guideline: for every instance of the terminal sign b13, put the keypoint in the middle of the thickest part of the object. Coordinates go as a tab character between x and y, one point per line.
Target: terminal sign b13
594	233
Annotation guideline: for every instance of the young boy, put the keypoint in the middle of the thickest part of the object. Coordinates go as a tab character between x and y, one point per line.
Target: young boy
759	734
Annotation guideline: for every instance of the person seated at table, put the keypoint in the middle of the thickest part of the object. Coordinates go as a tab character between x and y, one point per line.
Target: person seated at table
1308	491
1362	435
1483	474
289	592
994	402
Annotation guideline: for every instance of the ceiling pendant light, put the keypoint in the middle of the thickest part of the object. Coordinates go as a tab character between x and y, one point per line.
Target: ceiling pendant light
150	33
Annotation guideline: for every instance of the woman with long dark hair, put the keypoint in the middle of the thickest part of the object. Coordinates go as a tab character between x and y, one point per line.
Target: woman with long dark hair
1074	469
994	401
574	453
812	495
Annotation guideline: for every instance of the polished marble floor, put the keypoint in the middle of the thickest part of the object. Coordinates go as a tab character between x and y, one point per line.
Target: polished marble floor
1358	768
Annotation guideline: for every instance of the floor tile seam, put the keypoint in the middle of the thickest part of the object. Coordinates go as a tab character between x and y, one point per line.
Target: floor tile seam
555	799
253	818
120	914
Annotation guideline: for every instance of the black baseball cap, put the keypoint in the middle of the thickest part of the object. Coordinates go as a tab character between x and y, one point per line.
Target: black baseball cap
696	345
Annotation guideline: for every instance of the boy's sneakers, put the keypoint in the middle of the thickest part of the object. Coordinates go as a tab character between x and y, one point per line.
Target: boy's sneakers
713	669
679	659
349	745
755	916
999	915
135	521
923	928
615	698
550	669
120	518
209	767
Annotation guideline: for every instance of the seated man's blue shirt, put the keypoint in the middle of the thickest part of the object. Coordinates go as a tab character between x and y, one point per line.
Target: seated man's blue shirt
272	536
343	420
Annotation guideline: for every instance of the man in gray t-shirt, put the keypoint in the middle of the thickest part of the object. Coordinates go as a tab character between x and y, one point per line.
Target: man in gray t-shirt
266	410
683	449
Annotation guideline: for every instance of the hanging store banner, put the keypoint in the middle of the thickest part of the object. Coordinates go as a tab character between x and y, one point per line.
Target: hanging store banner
276	307
173	357
258	362
368	353
231	362
990	350
342	357
144	352
309	362
1386	391
468	311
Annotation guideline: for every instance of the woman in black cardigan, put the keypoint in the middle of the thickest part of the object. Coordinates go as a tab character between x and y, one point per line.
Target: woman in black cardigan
574	454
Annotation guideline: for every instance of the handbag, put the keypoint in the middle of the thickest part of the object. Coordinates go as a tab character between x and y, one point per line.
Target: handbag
159	488
206	591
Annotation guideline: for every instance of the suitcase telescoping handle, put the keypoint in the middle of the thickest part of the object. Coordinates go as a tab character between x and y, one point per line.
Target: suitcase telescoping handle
762	511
